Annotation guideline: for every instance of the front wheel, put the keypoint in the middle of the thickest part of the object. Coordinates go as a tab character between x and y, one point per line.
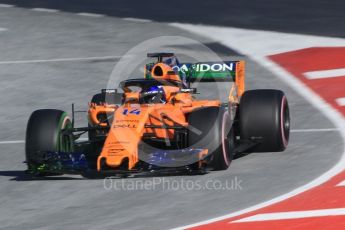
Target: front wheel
43	134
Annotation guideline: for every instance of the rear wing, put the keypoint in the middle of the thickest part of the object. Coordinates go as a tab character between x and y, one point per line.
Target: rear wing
227	71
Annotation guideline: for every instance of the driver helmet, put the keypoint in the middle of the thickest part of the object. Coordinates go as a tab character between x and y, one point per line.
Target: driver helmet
154	95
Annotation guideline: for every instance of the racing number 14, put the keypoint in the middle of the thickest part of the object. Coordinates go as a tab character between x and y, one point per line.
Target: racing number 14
133	111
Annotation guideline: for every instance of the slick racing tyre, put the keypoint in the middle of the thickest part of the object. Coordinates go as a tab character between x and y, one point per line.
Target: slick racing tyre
264	118
44	133
211	128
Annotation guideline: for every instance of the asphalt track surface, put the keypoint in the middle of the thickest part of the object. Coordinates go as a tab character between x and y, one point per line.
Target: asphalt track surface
76	203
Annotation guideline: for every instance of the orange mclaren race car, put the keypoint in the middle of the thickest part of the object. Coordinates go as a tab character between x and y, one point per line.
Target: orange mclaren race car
156	124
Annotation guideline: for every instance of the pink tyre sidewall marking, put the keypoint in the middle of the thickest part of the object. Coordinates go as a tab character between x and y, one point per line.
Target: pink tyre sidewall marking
282	110
225	149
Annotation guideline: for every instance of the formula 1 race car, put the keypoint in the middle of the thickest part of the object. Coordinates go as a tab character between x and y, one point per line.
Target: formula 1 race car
155	124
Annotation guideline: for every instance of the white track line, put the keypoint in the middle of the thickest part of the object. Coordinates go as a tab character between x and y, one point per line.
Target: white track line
340	101
137	20
325	74
58	60
45	10
23	141
292	215
12	142
341	183
90	15
2	29
6	5
246	42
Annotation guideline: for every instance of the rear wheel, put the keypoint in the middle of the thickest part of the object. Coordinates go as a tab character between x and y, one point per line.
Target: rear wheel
44	133
211	128
264	117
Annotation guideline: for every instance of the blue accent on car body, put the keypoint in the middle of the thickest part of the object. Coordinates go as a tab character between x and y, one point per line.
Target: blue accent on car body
170	157
133	111
66	161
